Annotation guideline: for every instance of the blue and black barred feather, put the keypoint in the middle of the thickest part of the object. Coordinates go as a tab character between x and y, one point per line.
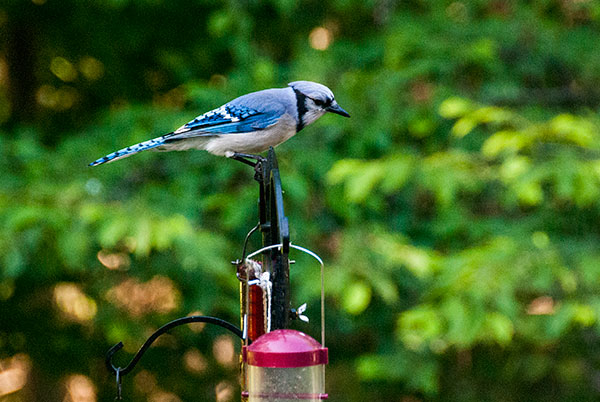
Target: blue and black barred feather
122	153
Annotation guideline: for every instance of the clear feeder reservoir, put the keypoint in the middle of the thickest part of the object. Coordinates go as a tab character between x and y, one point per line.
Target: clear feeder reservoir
285	365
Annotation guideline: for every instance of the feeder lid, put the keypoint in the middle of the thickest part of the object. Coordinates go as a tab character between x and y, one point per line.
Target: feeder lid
285	348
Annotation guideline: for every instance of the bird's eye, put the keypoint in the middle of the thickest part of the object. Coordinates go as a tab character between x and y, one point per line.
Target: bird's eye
318	102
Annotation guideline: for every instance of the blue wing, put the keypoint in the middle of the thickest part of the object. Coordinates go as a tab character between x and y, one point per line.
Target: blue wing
227	119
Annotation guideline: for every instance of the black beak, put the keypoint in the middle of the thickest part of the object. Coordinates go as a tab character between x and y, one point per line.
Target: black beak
335	108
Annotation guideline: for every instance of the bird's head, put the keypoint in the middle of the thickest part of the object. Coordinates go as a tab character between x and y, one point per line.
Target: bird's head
317	100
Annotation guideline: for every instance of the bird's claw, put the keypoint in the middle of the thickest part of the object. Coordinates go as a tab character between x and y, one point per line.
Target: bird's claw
258	165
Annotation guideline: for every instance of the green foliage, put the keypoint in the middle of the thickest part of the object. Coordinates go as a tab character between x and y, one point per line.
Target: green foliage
456	210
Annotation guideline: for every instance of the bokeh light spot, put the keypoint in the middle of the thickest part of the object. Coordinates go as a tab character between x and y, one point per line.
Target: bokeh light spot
60	99
80	388
194	361
91	68
458	12
157	295
14	373
162	396
540	239
196	326
113	261
3	67
7	289
144	381
543	305
224	351
93	186
217	81
320	38
63	69
224	391
73	303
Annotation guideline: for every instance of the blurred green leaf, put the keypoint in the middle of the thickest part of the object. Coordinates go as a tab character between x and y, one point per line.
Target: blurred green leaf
456	211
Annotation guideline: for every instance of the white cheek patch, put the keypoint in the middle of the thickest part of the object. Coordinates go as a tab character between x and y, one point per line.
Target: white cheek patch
312	115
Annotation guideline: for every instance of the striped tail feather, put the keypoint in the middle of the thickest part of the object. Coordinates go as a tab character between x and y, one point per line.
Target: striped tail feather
133	149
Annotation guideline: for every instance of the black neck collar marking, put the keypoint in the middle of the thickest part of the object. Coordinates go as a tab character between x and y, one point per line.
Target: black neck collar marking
301	108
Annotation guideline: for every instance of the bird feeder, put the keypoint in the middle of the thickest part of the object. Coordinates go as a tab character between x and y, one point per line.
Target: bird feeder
285	365
278	364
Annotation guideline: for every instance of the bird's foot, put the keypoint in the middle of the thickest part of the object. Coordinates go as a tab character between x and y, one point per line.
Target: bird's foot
247	159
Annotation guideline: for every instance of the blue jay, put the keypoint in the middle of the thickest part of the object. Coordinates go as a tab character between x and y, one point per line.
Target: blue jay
247	125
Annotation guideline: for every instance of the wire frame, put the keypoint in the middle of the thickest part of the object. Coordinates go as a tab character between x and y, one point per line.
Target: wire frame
304	250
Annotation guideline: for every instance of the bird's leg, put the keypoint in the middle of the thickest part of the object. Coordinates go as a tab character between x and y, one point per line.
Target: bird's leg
244	158
258	165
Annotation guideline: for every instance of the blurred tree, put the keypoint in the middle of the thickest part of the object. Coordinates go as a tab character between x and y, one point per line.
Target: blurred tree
457	210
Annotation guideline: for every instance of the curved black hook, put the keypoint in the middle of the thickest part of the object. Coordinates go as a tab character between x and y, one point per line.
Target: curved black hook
175	323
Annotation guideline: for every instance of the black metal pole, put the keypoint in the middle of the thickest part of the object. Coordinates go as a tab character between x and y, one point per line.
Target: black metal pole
275	230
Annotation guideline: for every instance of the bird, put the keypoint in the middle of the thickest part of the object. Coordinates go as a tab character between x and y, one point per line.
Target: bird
246	125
